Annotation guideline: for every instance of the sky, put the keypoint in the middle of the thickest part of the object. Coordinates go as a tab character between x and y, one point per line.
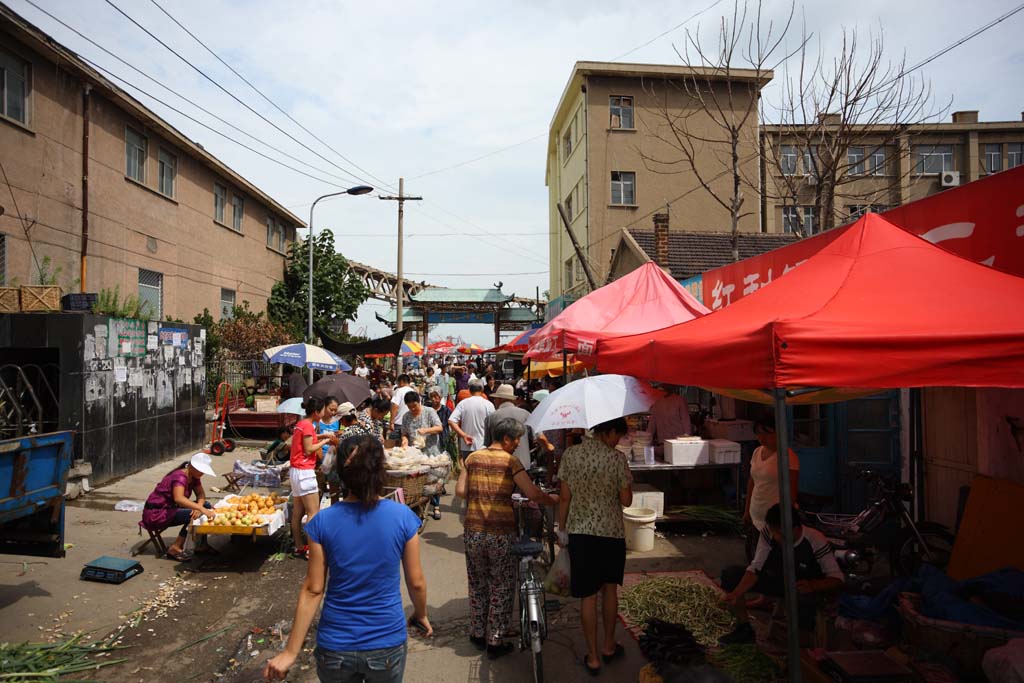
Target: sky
414	89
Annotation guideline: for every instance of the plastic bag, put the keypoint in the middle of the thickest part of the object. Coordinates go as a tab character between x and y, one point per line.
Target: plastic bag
557	581
129	505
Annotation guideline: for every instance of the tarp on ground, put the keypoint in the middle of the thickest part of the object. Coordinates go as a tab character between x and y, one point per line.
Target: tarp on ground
388	345
645	299
876	308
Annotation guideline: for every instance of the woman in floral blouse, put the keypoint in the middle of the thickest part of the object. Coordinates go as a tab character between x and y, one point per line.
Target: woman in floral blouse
595	486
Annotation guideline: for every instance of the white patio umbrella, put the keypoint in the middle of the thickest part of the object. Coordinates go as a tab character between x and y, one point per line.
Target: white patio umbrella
292	405
592	400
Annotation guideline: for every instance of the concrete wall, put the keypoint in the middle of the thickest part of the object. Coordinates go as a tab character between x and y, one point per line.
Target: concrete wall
131	225
567	177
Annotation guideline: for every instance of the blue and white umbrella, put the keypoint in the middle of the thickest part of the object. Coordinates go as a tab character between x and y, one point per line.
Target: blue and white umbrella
306	356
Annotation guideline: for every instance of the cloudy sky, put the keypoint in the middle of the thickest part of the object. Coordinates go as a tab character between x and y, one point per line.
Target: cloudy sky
414	88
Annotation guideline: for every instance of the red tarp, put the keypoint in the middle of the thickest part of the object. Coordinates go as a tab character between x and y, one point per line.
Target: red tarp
982	220
645	299
878	307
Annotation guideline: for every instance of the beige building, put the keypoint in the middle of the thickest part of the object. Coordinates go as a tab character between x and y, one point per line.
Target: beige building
611	163
881	171
116	197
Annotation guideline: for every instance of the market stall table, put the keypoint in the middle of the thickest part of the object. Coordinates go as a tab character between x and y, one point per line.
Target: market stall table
660	466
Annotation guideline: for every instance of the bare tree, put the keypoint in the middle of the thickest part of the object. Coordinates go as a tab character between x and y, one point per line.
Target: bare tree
713	133
839	127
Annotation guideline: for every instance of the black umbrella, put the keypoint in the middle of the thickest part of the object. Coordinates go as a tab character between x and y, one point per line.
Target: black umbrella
340	387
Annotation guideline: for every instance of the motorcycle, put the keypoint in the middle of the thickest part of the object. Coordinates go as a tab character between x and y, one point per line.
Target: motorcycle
884	527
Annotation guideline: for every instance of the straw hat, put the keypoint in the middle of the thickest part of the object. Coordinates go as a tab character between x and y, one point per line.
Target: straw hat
505	392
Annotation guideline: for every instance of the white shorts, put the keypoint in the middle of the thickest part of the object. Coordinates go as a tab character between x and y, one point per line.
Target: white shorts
303	482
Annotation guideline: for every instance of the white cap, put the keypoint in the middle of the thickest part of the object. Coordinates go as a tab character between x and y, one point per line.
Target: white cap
202	463
346	408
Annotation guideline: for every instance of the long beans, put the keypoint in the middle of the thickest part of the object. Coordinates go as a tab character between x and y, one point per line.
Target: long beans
41	662
745	663
678	601
712	516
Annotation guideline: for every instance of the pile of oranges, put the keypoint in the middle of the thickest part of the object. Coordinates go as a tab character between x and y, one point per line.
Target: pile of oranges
253	504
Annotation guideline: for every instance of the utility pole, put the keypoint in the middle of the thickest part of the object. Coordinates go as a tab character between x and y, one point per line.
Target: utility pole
580	254
400	288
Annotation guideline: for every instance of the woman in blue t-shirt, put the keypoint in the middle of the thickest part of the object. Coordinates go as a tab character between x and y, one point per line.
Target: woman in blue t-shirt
355	549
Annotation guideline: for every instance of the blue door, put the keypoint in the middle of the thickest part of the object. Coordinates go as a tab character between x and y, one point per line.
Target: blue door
813	430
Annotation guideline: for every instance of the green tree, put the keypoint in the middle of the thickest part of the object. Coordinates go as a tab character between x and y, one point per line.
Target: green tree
337	291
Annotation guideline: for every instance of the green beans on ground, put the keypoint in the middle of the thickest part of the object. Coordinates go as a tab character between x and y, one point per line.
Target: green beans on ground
678	601
745	663
20	662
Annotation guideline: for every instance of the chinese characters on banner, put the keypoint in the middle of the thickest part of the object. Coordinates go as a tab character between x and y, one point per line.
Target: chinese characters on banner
982	221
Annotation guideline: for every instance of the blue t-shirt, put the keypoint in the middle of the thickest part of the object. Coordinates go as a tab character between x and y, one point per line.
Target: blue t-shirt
362	609
323	427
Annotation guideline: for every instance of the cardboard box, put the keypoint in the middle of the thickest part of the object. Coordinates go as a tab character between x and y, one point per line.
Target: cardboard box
265	404
687	452
724	452
732	430
647	496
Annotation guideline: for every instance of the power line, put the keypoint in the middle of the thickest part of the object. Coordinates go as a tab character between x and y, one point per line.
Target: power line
479	158
265	97
493	274
665	33
231	94
177	94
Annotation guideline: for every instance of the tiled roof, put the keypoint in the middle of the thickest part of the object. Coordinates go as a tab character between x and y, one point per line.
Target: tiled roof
445	295
692	253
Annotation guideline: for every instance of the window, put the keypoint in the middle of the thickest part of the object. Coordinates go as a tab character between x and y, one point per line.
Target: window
855	211
620	112
14	84
993	158
270	232
787	160
790	219
151	292
1014	152
810	220
567	274
577	270
166	172
136	150
855	161
623	187
282	237
220	199
878	161
811	161
569	207
277	235
227	304
934	158
567	143
237	211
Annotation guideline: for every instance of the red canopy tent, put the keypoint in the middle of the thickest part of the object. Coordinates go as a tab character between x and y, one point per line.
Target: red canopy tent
646	299
519	344
876	308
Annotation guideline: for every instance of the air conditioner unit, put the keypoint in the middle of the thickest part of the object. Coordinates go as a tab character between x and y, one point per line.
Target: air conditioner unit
950	179
811	179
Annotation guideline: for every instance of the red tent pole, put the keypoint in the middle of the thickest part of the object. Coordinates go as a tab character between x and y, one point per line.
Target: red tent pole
788	561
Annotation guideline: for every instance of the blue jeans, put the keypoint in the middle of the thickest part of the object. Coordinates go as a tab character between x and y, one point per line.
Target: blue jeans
184	516
362	666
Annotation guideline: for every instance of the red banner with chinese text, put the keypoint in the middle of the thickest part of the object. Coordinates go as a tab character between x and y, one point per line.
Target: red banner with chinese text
982	221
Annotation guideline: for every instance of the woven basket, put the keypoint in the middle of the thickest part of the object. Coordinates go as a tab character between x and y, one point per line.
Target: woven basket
40	298
412	485
964	643
10	299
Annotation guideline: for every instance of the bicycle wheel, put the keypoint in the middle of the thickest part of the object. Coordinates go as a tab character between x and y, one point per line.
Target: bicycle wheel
538	665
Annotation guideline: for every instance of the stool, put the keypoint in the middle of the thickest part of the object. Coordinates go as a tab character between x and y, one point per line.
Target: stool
232	482
155	539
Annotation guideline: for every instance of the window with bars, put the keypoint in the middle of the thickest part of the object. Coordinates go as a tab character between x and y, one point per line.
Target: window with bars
787	159
237	211
620	110
855	161
167	172
227	304
220	200
993	158
14	87
623	187
151	292
136	149
1014	155
934	159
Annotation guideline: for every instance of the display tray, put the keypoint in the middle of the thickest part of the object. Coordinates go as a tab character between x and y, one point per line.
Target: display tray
263	530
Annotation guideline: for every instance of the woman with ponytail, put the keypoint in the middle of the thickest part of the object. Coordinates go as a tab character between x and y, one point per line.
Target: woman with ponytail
355	549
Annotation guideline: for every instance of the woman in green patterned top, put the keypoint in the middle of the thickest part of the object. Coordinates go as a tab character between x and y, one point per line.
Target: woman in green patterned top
596	485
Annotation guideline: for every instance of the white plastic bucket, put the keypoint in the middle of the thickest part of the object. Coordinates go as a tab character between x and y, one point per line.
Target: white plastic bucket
639	528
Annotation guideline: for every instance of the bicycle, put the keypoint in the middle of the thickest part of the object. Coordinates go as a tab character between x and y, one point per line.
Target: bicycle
533	606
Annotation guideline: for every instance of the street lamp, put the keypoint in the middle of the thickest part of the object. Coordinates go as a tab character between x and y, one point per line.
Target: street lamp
358	189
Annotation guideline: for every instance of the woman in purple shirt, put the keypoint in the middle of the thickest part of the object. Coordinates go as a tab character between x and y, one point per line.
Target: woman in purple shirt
170	505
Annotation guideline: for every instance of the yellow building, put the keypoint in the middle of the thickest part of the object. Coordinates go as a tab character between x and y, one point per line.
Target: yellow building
611	164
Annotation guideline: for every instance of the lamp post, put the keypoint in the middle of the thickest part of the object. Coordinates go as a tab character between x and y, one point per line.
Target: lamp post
358	189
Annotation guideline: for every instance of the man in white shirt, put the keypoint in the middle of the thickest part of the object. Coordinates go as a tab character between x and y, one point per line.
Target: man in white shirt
398	407
442	383
469	420
362	370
